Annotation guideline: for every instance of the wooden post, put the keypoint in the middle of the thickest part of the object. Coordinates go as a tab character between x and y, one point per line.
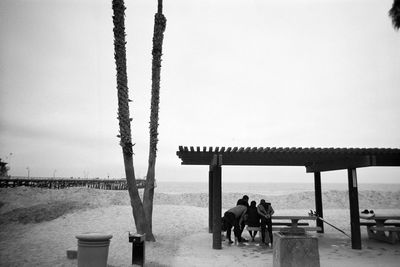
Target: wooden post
217	205
318	200
210	200
354	209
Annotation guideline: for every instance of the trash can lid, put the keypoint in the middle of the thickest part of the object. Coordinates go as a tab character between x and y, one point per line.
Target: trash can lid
93	236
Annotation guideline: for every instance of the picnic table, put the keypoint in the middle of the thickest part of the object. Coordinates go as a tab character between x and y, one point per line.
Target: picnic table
289	222
381	230
294	219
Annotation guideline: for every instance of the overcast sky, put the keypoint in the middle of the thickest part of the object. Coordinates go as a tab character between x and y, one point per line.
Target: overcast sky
287	73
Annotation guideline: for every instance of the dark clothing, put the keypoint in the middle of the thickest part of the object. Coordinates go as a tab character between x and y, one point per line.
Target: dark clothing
245	203
253	218
229	221
264	223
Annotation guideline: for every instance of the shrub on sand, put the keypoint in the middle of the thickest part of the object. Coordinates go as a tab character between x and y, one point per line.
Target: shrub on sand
41	212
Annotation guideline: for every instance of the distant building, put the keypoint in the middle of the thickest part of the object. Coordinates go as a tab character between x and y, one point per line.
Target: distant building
3	169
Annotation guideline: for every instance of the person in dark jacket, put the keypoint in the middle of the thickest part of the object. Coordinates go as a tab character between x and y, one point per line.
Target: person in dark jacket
244	201
253	219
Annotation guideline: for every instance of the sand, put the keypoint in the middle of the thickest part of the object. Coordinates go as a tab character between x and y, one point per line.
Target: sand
181	233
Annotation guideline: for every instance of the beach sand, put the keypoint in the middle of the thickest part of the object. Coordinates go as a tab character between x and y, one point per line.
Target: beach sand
181	232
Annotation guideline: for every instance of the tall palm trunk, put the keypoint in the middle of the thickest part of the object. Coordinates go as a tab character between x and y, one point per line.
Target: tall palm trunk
158	36
123	114
394	13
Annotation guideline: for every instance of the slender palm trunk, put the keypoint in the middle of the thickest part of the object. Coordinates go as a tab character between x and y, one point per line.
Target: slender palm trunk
123	114
394	13
158	36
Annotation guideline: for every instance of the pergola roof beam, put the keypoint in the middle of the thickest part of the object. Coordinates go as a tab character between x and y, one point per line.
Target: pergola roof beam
314	159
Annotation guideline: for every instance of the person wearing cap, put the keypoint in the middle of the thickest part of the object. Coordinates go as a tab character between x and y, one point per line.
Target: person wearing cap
265	211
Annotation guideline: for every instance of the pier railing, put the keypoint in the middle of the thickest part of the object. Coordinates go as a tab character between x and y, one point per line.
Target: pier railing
59	183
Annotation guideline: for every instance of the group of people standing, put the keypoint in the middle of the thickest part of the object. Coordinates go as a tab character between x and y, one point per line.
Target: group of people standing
252	215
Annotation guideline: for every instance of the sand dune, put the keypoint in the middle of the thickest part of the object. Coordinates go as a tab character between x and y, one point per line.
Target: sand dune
180	226
21	197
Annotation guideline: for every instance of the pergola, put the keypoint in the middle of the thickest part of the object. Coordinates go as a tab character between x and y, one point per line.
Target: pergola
315	160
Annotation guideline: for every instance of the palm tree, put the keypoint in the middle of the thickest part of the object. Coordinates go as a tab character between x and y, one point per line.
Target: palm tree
158	36
394	13
123	114
142	213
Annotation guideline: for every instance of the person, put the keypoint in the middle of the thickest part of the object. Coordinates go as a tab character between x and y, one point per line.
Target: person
233	218
245	202
265	211
253	219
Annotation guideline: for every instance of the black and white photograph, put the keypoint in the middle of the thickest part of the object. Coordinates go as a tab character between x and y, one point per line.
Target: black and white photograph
199	133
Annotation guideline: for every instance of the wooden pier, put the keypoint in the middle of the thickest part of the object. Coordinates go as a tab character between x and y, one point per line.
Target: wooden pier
60	183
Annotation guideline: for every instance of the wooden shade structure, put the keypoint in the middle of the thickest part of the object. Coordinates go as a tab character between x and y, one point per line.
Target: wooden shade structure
315	160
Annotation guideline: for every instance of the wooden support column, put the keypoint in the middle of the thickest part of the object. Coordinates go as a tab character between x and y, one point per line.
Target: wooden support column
318	200
354	209
210	200
217	202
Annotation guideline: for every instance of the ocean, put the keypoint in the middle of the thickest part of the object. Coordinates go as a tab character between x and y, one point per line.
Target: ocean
271	189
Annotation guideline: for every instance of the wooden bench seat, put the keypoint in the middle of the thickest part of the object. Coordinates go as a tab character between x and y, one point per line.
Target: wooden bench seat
307	228
385	228
390	234
252	228
275	224
386	224
288	223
